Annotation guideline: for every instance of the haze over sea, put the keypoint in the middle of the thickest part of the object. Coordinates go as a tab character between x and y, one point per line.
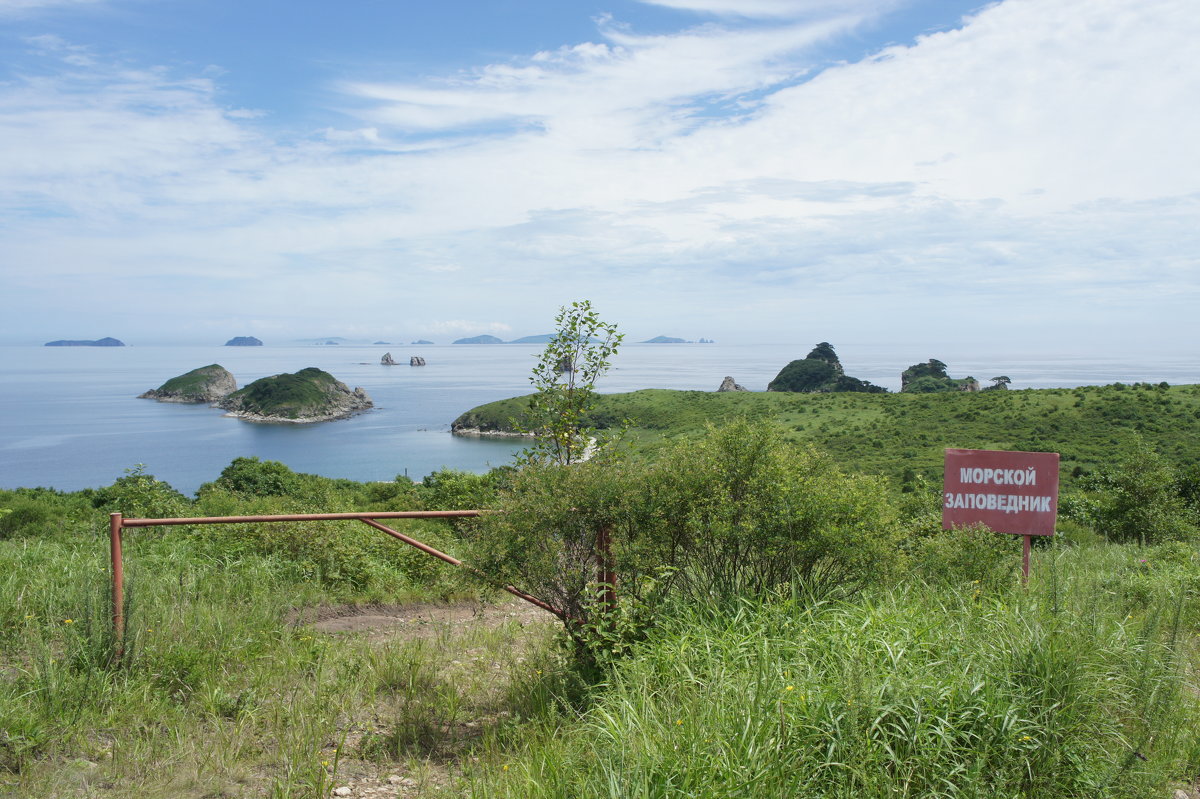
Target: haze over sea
70	419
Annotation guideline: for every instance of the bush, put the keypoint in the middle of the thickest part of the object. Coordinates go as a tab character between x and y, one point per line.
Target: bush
35	512
1139	500
737	513
545	541
255	478
140	495
742	512
969	556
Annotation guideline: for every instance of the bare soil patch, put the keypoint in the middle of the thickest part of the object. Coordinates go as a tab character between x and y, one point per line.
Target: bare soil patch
466	655
418	620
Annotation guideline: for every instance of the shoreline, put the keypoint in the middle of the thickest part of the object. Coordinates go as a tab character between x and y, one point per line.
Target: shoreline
477	432
247	416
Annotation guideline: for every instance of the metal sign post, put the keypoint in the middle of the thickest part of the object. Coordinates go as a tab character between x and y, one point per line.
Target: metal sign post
1009	492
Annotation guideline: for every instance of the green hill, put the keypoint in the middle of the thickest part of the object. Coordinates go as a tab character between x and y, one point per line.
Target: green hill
902	434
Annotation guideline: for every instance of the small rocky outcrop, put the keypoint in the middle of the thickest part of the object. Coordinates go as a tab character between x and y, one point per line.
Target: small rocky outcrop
422	343
208	384
243	341
107	341
310	395
416	360
728	384
387	359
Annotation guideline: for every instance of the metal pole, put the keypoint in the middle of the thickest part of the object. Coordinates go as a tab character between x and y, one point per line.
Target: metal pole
453	561
118	583
1025	547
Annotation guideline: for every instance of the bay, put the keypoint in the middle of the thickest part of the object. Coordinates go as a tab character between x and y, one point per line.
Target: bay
70	419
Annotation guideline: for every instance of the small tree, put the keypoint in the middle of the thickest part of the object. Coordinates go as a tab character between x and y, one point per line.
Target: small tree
564	379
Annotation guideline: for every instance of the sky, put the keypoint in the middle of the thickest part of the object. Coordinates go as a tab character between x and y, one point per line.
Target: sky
1023	174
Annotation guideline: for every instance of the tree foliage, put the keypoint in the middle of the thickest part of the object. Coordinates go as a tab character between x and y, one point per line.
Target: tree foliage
564	380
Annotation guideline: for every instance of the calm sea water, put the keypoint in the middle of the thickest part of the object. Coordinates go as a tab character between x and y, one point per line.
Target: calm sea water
69	417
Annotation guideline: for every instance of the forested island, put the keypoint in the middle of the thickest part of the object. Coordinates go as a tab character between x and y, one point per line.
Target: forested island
310	395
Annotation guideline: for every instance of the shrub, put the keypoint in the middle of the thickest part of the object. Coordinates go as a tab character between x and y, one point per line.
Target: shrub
739	512
139	494
1139	500
742	512
971	555
256	478
34	513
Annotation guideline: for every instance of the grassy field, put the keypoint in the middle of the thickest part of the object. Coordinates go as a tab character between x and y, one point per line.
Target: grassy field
895	434
324	658
1083	686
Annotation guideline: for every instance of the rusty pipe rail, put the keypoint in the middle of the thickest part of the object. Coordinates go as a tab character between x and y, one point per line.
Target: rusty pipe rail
118	523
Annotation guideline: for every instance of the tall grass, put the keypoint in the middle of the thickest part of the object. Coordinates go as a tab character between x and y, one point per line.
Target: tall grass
915	691
218	693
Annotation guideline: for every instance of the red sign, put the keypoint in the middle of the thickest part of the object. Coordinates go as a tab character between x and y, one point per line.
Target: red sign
1010	492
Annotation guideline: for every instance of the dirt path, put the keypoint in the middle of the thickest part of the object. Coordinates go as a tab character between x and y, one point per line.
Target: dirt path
465	636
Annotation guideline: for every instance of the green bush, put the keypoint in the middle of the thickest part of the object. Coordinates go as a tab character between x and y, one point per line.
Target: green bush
1139	500
256	478
737	513
36	512
969	556
140	495
743	512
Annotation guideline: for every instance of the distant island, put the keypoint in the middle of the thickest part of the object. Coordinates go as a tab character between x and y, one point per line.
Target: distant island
243	341
544	338
385	343
100	342
421	342
209	384
665	340
484	339
310	395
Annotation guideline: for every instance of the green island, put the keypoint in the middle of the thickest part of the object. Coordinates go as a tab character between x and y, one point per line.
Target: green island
209	384
759	600
310	395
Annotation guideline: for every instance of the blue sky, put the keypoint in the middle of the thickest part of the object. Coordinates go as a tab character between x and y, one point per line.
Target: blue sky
1018	174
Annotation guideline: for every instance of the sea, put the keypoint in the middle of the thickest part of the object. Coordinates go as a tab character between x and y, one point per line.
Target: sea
70	417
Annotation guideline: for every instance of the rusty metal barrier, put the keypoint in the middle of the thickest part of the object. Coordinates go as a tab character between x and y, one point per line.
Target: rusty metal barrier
118	523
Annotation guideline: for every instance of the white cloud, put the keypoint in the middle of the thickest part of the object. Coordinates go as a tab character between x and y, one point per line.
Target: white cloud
1037	159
